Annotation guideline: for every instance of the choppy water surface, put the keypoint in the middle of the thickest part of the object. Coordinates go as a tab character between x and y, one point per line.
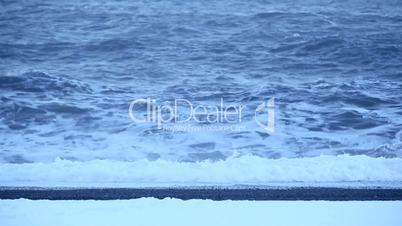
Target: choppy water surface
69	70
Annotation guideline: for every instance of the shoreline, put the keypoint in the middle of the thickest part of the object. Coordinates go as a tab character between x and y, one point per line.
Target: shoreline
210	193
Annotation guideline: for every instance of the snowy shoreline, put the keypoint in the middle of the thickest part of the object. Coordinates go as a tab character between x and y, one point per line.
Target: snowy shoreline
149	211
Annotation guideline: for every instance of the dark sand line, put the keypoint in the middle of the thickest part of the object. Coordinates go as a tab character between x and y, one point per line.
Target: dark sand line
212	193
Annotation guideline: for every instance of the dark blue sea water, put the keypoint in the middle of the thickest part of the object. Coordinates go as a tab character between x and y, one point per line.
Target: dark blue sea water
69	70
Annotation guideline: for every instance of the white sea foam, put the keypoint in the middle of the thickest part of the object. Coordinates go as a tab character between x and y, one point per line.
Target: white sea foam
251	170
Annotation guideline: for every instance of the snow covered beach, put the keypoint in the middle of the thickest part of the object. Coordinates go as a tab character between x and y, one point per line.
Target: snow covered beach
149	211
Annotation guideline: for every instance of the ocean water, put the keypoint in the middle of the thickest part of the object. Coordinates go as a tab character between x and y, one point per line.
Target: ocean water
69	70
